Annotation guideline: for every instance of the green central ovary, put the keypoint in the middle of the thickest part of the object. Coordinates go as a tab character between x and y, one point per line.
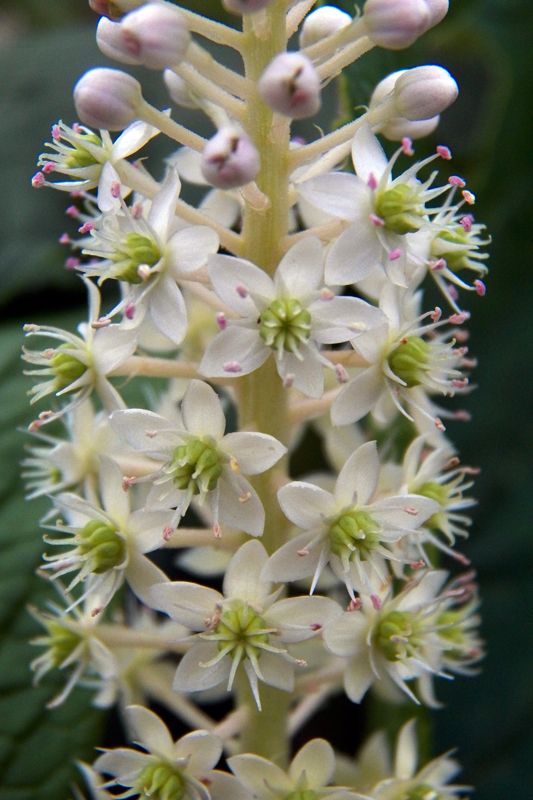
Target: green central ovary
396	635
410	360
438	492
353	531
457	257
102	544
197	467
62	642
80	157
400	208
160	782
241	627
285	325
134	251
67	368
303	794
422	792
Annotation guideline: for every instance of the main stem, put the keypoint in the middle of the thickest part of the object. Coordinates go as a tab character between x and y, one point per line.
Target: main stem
262	398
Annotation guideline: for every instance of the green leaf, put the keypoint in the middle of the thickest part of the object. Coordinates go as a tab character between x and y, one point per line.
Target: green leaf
38	746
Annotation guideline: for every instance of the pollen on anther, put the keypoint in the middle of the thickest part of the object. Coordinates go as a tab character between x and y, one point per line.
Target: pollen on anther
56	132
407	146
376	602
129	311
242	291
221	320
395	254
167	532
355	604
469	197
444	152
49	167
72	211
341	374
303	552
466	222
38	180
115	189
232	367
436	314
72	262
455	180
315	626
480	287
377	221
372	182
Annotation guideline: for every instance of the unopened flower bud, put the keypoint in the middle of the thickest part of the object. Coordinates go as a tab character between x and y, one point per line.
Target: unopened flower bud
178	90
104	8
423	92
321	23
291	85
111	42
157	34
396	128
107	98
230	159
246	6
437	11
396	24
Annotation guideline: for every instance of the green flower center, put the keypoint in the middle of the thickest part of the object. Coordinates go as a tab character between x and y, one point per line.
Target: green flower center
397	635
61	642
304	794
196	467
241	631
133	251
410	360
439	493
80	157
454	632
67	368
400	208
101	544
456	259
422	792
160	782
351	532
285	325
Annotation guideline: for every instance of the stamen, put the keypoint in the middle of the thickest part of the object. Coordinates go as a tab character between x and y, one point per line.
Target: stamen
469	197
232	366
221	320
480	288
444	152
407	146
455	180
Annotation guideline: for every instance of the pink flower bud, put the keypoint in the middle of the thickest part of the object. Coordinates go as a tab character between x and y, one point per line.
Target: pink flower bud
111	42
230	159
396	128
178	90
157	34
291	86
437	11
102	7
396	24
245	6
321	23
107	98
423	92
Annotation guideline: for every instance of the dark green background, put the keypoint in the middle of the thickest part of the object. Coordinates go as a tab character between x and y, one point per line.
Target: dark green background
44	48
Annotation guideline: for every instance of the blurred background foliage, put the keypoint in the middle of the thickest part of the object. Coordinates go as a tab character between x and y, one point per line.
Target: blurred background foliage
486	44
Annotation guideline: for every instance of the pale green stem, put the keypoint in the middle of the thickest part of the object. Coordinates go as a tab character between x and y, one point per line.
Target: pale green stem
210	91
156	681
334	65
215	31
170	127
226	78
151	367
204	537
327	47
296	14
114	636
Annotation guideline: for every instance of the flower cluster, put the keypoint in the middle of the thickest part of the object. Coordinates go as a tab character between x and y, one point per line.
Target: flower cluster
292	295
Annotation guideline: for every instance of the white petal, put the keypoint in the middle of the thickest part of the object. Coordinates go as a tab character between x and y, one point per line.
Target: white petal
188	162
132	139
346	636
367	154
277	671
307	374
406	751
162	210
224	786
357	397
191	677
240	284
122	762
115	500
334	320
339	194
186	603
254	452
189	249
107	200
358	678
241	346
317	760
168	310
246	514
262	777
372	344
146	529
145	431
111	347
354	254
300	272
360	474
221	207
300	618
150	731
306	505
142	575
201	411
242	578
286	565
422	592
391	511
202	751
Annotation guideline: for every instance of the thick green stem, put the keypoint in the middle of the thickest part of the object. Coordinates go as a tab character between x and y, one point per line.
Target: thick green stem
262	398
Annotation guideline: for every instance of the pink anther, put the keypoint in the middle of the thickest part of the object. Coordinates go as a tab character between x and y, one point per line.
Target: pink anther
167	532
137	209
327	294
217	530
436	314
127	483
462	415
56	132
38	180
72	262
439	424
303	552
242	291
444	152
64	238
288	380
480	288
413	512
417	564
460	383
407	146
377	221
355	604
86	227
469	197
77	128
129	311
49	167
115	189
372	182
232	366
436	266
452	291
341	374
455	180
395	254
315	626
221	320
466	222
376	601
458	319
72	211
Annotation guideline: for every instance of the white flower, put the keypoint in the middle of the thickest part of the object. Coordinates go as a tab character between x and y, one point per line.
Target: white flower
199	460
290	316
149	256
346	529
81	154
407	362
109	542
413	636
244	625
81	363
383	212
309	775
168	770
58	464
